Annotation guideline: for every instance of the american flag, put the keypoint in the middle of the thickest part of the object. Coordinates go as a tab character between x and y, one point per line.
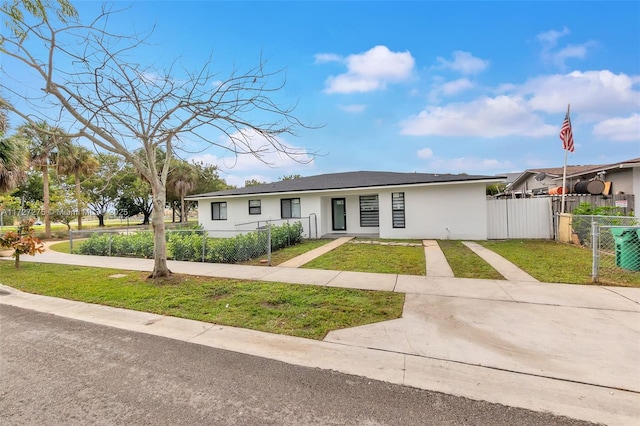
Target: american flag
566	134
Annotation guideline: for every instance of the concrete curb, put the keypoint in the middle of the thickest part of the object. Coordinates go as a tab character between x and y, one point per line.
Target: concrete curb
571	399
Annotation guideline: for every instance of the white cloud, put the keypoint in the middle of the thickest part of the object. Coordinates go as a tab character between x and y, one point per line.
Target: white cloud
572	51
550	38
322	58
485	117
558	57
469	165
456	86
354	108
464	62
246	166
369	71
523	109
589	92
425	153
150	77
619	129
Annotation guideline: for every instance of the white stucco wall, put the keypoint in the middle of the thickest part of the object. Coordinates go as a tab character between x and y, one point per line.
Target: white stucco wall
454	211
238	211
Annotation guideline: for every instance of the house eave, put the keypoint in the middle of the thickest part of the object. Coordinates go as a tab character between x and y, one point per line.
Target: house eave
497	179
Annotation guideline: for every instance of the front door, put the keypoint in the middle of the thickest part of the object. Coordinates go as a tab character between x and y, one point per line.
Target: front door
339	214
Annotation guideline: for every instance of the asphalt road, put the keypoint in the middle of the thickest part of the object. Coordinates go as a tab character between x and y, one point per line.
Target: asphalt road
56	371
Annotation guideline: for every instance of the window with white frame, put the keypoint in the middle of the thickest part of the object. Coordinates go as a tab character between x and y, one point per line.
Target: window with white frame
255	207
219	211
369	211
289	208
397	208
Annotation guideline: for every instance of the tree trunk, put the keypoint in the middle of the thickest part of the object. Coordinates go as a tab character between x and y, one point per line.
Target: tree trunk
77	176
160	268
45	199
183	215
17	260
100	219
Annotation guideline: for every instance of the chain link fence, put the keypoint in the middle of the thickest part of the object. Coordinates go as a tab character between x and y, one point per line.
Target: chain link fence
614	242
195	244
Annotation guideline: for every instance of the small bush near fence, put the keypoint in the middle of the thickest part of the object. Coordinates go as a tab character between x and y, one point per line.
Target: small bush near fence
194	245
585	214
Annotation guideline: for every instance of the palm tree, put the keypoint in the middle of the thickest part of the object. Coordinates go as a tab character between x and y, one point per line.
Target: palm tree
182	178
13	163
76	161
44	140
13	156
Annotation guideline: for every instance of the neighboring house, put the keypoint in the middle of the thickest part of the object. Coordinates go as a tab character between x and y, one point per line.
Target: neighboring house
510	178
538	181
624	177
384	204
617	179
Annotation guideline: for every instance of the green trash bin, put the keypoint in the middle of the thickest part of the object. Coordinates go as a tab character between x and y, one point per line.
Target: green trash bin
627	248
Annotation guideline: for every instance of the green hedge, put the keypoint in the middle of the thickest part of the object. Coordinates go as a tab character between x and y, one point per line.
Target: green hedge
189	245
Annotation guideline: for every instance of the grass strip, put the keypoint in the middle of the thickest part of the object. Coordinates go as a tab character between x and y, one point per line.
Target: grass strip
377	258
287	253
292	309
549	261
465	263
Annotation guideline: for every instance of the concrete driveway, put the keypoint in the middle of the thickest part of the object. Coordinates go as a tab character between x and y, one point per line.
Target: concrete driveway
581	344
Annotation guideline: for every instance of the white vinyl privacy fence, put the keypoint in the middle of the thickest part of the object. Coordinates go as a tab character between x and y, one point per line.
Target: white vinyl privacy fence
515	218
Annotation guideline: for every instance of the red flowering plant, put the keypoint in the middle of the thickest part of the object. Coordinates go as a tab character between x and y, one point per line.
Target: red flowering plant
22	241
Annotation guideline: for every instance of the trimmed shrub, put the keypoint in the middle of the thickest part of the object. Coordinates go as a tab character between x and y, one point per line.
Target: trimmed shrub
139	244
187	245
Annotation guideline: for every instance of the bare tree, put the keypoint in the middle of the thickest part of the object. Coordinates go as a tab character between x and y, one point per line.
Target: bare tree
87	76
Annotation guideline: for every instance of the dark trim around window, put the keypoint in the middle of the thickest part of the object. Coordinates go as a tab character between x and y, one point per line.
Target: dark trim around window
397	209
219	210
369	211
290	208
255	207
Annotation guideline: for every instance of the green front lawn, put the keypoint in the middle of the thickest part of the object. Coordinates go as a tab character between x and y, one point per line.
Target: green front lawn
547	261
388	259
296	310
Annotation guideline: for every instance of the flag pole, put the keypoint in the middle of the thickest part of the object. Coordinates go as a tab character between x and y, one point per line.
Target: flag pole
564	179
564	172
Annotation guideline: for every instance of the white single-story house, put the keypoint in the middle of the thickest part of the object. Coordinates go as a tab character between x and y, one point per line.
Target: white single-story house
383	204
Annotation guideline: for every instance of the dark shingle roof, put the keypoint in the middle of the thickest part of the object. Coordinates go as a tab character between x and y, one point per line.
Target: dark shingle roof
347	180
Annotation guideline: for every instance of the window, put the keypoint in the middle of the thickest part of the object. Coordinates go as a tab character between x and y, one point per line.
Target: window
397	208
255	207
289	207
219	211
369	211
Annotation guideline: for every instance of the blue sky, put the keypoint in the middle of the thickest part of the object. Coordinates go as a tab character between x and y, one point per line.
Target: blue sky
420	86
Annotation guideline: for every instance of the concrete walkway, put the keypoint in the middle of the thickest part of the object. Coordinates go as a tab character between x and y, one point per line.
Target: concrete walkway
437	265
567	349
503	266
307	257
